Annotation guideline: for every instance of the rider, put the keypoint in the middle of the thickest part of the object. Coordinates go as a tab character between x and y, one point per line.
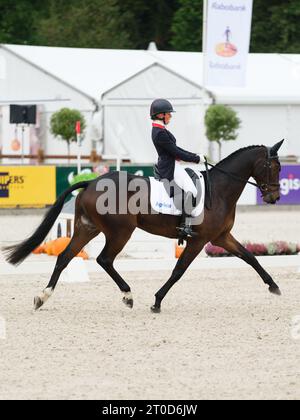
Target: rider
169	156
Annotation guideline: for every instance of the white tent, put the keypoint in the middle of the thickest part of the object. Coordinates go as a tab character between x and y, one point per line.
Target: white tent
22	80
269	106
127	127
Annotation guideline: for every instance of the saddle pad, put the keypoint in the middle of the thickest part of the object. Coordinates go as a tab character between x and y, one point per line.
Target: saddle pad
162	203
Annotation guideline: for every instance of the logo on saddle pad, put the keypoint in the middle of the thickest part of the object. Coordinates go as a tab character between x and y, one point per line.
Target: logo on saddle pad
163	205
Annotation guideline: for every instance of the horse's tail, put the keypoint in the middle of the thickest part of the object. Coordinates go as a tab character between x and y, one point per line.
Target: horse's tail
15	254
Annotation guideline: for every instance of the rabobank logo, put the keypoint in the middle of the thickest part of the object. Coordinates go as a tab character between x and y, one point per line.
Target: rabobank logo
227	48
291	183
228	7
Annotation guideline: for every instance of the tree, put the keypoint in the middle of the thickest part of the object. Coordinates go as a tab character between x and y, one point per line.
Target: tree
172	24
18	20
83	24
221	124
148	21
282	21
280	18
187	26
63	124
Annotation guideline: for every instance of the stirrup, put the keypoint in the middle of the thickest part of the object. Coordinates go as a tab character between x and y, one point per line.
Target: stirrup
181	235
180	241
184	233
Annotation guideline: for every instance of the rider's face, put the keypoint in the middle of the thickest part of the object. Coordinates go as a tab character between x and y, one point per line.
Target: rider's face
168	117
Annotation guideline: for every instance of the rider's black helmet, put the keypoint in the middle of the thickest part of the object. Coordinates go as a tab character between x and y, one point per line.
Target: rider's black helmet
160	106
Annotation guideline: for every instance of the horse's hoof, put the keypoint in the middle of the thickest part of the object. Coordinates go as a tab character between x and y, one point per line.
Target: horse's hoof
155	309
128	302
275	290
37	303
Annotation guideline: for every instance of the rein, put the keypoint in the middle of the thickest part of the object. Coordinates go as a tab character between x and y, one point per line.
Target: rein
262	187
237	178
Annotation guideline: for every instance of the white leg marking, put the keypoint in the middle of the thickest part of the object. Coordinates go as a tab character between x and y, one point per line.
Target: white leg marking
44	296
127	295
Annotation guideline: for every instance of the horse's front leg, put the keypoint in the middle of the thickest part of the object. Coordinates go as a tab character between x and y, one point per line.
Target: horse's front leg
228	242
193	248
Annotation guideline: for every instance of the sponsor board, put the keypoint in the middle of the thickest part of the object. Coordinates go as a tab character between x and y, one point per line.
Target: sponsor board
27	186
227	42
289	185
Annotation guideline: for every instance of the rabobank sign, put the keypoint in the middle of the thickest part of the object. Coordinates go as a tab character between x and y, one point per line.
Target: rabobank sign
228	7
227	42
289	185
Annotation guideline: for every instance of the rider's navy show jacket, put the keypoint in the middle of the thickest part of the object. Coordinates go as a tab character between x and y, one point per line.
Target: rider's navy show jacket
168	152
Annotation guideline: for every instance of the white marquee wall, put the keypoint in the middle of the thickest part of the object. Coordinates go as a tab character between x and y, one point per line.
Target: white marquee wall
267	124
21	81
127	123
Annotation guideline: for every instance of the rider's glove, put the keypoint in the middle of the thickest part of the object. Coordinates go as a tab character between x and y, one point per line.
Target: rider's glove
202	158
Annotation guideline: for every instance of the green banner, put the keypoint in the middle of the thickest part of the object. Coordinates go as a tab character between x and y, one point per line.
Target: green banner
65	175
141	170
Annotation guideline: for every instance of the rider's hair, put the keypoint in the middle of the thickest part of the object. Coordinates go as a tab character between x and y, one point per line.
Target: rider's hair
155	117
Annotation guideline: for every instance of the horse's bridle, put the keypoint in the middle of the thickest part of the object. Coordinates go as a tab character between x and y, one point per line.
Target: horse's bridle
264	188
268	165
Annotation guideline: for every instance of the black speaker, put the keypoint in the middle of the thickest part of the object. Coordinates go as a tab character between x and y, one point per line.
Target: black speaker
22	114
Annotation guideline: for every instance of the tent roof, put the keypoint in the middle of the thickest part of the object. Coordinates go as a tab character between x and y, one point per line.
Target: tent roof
165	69
91	71
271	78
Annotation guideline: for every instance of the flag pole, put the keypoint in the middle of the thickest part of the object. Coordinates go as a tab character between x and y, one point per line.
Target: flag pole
204	39
204	52
78	132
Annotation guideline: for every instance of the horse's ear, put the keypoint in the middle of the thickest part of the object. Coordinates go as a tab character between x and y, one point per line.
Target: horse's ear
274	149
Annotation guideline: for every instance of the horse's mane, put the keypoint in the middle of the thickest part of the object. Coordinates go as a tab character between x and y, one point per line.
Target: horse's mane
236	153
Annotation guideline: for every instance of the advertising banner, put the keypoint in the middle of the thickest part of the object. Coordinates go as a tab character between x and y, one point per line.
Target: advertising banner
27	186
65	176
289	185
227	42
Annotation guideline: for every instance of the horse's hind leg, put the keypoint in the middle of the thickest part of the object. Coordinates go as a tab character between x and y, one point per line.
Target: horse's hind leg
228	242
83	234
113	246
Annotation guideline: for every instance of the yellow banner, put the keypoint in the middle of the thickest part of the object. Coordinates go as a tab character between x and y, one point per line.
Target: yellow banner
27	186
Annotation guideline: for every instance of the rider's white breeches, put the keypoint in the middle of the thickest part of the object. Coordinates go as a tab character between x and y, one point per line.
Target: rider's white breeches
183	180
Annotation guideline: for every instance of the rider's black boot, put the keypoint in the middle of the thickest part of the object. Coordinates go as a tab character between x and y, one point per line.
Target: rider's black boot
185	230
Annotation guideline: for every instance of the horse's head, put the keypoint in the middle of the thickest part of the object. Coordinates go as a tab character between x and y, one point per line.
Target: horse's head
266	174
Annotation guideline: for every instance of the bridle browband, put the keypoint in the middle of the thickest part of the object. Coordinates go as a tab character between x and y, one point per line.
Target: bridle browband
262	187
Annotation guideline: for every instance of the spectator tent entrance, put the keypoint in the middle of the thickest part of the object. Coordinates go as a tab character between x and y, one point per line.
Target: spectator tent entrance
126	119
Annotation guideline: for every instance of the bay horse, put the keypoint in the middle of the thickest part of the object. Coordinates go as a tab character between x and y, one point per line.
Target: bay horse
227	180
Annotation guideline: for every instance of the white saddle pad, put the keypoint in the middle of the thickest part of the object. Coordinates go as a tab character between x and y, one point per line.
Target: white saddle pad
162	203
